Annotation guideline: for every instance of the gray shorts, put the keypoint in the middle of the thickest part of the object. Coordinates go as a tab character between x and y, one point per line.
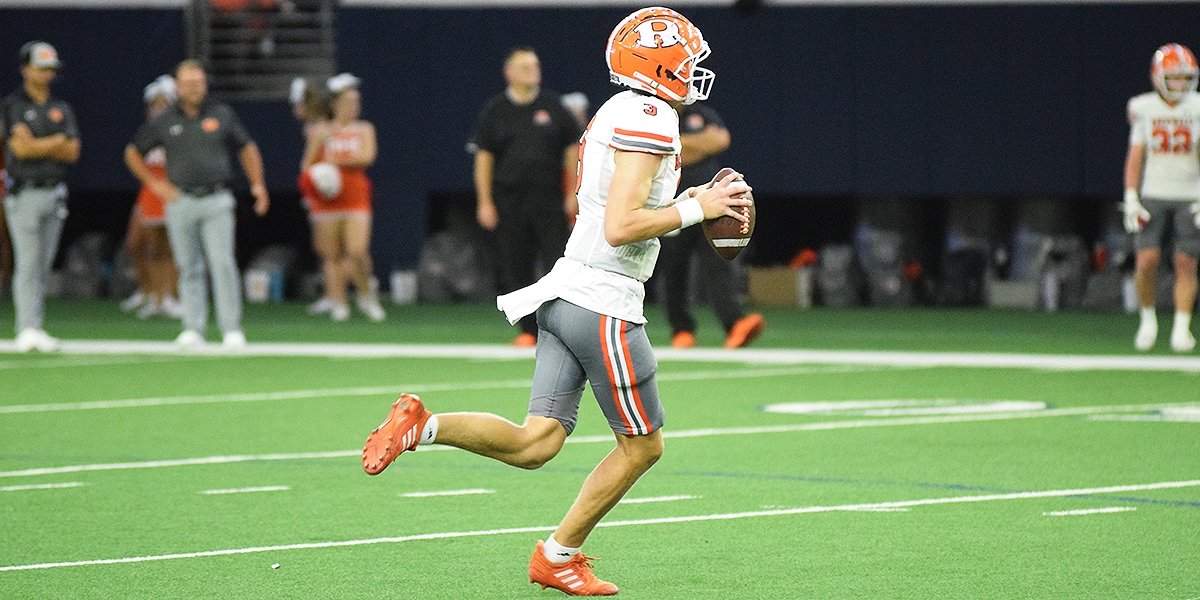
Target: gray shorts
1166	218
577	345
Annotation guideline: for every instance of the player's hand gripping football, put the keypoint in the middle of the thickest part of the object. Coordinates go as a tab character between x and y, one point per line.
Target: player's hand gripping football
722	194
1136	215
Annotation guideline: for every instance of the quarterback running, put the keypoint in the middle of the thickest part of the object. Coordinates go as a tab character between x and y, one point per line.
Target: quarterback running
589	306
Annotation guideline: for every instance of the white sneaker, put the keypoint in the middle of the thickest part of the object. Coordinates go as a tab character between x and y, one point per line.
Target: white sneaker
339	312
189	339
1146	334
150	309
371	308
132	303
321	307
1182	340
32	338
172	308
234	340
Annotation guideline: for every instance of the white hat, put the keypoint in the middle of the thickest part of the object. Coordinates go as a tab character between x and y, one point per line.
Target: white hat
342	82
575	101
40	55
164	86
296	94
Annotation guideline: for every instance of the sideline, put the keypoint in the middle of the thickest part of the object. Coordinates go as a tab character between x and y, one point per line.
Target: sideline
1188	364
881	506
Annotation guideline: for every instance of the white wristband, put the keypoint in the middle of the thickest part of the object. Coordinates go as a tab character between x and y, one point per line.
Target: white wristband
1131	196
690	212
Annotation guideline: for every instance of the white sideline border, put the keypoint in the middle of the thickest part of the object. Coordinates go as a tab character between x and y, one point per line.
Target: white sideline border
1189	364
873	507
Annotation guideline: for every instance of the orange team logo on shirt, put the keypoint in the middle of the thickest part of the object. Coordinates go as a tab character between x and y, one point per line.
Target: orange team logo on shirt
650	109
55	115
210	124
541	117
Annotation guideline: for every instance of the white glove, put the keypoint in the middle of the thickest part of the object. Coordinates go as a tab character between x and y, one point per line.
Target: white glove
1136	215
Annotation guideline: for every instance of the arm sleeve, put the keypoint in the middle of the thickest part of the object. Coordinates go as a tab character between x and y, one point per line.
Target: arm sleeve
236	136
70	125
146	137
481	138
654	129
570	131
1137	125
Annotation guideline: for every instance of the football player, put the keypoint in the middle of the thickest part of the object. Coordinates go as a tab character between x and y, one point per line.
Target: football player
1162	187
589	307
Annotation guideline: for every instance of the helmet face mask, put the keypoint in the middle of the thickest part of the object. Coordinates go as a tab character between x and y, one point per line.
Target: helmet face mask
1174	61
657	50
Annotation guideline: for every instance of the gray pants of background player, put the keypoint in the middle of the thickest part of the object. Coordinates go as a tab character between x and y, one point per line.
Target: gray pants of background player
35	221
577	345
201	230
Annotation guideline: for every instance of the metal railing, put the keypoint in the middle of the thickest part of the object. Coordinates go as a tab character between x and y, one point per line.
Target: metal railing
254	52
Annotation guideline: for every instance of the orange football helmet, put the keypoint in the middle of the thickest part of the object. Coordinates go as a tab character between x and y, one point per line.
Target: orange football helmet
1173	59
657	50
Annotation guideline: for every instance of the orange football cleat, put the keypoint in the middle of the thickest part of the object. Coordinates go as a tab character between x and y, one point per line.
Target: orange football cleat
745	330
573	577
683	339
525	340
400	431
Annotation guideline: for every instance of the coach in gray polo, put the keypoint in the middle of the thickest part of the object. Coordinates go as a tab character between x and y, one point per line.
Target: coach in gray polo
199	137
40	139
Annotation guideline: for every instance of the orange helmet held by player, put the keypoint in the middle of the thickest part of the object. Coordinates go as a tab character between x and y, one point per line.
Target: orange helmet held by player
657	50
1173	59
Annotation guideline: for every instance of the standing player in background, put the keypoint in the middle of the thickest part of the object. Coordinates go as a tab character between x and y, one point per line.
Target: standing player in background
1162	183
526	150
342	224
589	306
40	139
146	237
703	136
198	136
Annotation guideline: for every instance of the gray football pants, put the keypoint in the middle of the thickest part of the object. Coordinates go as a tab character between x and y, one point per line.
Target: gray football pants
201	230
35	221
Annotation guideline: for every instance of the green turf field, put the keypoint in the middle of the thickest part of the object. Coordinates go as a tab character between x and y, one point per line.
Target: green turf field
787	474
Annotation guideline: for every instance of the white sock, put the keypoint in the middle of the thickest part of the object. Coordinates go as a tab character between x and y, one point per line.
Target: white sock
558	553
1183	322
1148	314
429	433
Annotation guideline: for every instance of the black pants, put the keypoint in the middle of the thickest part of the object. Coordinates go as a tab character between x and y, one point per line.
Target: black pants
526	234
715	274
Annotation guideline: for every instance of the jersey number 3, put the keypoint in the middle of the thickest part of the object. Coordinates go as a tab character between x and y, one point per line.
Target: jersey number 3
1178	141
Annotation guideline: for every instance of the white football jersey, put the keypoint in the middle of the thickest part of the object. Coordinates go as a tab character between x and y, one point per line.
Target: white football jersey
1169	133
593	274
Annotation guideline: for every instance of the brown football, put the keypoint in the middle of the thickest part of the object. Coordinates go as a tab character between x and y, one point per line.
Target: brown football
727	235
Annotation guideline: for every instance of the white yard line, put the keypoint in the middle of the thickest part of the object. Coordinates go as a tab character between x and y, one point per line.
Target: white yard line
687	433
41	486
247	490
655	499
1088	511
391	390
743	355
626	523
446	493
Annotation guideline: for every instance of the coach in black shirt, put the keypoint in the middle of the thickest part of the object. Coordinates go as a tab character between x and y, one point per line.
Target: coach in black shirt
199	136
526	150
